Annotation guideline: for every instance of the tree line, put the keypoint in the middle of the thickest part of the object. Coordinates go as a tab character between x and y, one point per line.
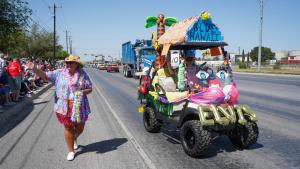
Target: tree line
19	37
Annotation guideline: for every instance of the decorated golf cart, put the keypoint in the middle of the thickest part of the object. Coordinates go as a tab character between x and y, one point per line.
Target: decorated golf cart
198	94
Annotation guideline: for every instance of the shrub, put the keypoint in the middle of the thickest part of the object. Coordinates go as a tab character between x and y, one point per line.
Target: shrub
242	65
277	66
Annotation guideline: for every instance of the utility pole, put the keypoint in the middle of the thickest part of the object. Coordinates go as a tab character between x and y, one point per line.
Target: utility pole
54	32
67	46
70	43
260	35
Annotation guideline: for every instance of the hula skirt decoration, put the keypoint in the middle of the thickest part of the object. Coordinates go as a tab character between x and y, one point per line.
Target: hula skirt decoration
74	115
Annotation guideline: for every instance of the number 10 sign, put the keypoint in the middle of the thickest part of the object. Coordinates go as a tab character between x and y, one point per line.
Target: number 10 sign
175	58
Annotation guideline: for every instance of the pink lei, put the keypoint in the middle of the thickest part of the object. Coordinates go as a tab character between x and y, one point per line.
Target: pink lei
72	80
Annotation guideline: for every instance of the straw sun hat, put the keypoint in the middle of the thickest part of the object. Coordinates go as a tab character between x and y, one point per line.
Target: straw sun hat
73	58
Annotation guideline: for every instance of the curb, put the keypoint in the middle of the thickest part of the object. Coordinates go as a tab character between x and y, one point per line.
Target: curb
15	110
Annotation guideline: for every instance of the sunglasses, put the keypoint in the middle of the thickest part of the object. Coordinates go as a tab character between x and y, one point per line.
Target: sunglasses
69	63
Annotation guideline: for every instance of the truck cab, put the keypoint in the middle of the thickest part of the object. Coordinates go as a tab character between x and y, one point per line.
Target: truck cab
137	56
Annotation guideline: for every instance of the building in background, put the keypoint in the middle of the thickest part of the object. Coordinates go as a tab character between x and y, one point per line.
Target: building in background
291	57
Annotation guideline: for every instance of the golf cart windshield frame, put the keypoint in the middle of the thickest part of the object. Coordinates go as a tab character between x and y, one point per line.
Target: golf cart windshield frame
196	45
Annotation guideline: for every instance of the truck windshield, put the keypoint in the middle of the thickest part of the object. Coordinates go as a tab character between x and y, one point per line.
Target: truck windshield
148	52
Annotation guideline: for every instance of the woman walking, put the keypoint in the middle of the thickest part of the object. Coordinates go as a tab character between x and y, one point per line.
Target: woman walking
72	85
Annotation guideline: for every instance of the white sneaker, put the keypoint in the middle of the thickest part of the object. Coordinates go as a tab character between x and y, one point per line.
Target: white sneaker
75	146
70	156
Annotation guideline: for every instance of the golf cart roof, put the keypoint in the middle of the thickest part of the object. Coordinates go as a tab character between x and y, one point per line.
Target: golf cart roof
198	32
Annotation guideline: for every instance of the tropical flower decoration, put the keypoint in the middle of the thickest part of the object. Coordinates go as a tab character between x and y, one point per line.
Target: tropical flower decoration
205	15
181	83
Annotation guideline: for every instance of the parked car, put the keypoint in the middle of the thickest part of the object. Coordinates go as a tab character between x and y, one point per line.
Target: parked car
112	68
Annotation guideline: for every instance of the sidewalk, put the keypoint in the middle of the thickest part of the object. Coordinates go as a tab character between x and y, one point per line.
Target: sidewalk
11	111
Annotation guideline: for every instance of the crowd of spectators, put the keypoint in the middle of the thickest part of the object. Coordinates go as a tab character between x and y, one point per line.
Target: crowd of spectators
17	80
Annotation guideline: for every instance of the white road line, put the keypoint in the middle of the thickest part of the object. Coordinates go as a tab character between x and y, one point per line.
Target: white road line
136	145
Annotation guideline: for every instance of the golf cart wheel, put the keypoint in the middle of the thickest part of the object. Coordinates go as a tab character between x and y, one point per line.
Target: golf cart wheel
244	136
194	139
151	123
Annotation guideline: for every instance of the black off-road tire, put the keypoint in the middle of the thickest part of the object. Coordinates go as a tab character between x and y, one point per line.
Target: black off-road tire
150	121
194	139
244	136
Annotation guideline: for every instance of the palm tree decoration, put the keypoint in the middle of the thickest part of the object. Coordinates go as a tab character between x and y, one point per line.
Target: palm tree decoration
161	23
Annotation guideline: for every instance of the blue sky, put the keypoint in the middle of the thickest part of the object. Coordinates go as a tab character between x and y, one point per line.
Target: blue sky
100	27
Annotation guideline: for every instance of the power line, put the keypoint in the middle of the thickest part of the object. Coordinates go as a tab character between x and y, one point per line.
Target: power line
43	28
44	23
46	3
63	17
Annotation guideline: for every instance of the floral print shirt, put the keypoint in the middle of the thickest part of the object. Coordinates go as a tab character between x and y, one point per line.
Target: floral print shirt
61	79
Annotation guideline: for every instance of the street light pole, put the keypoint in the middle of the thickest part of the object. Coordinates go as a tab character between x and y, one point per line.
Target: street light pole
260	35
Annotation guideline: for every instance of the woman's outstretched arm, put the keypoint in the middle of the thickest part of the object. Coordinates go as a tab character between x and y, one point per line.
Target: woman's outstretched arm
37	71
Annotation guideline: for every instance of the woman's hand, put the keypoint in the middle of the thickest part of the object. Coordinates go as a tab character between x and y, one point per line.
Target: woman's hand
87	91
37	71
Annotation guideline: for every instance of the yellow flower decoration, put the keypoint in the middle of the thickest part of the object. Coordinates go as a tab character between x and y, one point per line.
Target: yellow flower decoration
154	41
204	15
154	94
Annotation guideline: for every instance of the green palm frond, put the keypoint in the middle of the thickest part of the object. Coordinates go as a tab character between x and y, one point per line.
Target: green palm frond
150	21
170	21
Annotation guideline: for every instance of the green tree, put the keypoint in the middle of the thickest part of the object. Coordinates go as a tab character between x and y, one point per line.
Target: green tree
40	43
14	15
243	56
248	58
17	44
266	54
61	54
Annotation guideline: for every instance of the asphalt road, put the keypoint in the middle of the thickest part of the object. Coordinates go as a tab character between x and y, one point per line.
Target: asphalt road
114	136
